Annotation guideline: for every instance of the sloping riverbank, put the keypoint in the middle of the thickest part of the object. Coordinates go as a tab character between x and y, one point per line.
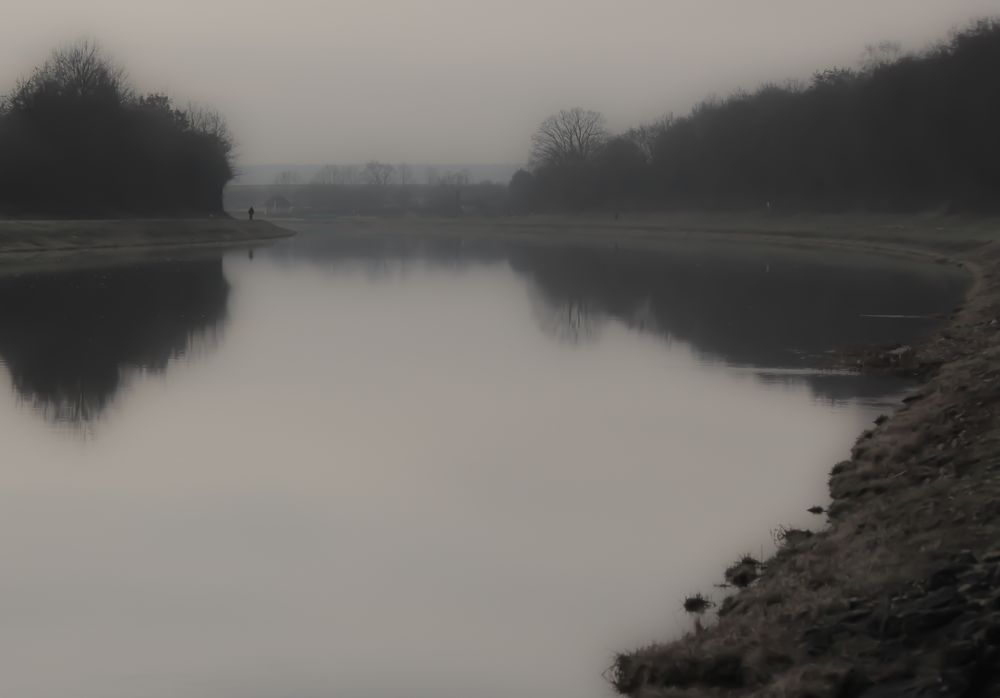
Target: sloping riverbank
29	236
899	595
36	245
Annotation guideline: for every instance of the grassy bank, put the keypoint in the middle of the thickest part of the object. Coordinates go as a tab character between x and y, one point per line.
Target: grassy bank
899	593
31	236
46	245
925	233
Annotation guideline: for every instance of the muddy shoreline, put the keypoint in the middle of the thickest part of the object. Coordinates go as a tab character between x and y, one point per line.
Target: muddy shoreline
899	594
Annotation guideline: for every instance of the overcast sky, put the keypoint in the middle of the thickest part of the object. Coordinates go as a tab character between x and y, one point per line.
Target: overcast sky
316	81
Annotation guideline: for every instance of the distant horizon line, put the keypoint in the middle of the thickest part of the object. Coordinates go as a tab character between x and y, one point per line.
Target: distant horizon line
261	173
504	163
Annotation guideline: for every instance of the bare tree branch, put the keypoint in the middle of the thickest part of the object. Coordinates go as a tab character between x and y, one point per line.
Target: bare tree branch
572	135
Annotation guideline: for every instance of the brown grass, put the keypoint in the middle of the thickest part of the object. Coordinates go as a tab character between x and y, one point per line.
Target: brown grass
920	492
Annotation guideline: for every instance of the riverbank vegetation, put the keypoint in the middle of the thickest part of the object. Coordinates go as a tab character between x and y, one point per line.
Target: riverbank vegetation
899	133
902	132
21	240
900	593
77	140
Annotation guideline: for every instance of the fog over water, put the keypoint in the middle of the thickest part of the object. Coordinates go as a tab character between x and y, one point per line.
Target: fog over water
382	468
366	462
453	81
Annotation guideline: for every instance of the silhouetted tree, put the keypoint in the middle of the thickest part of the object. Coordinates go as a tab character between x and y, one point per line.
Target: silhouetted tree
378	174
522	192
621	172
75	140
900	133
454	178
327	175
404	174
644	135
571	137
287	178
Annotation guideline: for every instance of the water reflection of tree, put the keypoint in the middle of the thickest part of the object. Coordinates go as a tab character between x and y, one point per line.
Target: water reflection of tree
745	305
70	338
572	321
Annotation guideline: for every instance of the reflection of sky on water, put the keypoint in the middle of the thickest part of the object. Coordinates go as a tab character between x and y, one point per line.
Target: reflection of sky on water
737	304
388	477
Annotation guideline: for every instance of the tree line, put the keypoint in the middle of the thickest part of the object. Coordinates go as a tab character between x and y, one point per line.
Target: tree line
446	198
374	188
375	173
901	132
76	139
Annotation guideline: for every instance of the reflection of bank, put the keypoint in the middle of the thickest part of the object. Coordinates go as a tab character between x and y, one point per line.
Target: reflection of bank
768	309
761	307
69	338
744	306
572	320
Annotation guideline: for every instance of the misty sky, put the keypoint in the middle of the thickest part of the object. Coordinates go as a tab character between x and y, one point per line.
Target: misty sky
314	81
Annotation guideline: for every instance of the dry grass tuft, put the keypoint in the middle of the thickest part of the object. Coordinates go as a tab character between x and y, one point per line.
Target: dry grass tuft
697	604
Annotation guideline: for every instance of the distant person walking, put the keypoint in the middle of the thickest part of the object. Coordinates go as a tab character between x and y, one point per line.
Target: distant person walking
250	212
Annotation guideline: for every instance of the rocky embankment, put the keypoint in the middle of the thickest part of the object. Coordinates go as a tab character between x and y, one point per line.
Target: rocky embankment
899	595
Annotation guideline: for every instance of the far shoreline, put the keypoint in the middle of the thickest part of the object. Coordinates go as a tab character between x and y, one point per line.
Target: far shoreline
924	234
58	244
20	236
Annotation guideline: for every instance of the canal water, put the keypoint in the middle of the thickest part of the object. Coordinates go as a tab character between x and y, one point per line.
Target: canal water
369	467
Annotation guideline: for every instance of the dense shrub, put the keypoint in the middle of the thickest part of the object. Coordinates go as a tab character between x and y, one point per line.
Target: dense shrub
75	140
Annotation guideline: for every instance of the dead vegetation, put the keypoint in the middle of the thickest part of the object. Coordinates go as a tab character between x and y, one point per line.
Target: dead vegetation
743	572
900	594
697	604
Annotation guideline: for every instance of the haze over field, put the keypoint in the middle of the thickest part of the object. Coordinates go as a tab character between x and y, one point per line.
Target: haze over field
458	81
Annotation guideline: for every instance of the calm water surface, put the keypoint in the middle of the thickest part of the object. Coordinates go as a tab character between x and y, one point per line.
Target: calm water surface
425	469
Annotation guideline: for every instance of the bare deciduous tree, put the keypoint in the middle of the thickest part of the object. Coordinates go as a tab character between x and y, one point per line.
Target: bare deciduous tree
404	174
327	175
644	135
572	135
78	70
876	56
378	174
349	175
209	122
286	179
456	178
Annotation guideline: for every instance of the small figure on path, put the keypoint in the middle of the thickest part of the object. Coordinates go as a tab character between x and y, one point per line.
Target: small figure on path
250	212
